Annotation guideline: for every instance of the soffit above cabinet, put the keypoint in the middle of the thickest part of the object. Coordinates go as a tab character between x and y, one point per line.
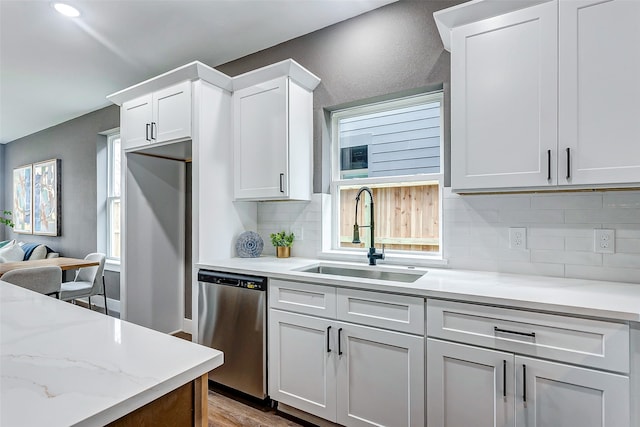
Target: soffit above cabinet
288	67
475	10
192	71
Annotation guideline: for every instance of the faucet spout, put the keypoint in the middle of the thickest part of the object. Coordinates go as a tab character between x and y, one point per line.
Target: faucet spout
372	255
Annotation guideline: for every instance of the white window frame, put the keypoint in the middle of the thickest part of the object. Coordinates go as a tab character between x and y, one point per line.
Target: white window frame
111	198
391	256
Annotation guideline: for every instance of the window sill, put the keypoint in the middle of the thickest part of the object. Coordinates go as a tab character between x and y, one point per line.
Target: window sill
390	258
112	265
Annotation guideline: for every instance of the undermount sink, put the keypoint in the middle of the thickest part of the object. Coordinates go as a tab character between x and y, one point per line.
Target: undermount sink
395	276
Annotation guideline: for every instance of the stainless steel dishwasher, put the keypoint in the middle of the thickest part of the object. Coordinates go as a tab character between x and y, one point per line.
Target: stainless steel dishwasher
232	310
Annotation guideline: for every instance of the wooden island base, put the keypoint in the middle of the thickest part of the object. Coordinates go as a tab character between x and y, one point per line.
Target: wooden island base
185	406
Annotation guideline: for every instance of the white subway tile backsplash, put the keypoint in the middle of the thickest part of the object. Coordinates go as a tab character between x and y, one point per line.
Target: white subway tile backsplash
622	199
531	216
476	228
478	202
566	257
579	244
625	231
467	215
599	216
628	246
562	230
555	243
622	261
566	201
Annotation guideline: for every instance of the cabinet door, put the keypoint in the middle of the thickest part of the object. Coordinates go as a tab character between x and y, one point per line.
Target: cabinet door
504	100
172	113
559	395
261	140
380	377
599	92
135	117
301	363
468	386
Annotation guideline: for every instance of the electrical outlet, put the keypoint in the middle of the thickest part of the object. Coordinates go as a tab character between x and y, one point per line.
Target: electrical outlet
604	241
298	232
518	238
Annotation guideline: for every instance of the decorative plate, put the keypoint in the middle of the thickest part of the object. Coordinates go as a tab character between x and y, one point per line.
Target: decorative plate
249	245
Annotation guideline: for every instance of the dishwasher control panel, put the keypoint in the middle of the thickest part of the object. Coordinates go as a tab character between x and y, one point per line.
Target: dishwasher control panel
235	280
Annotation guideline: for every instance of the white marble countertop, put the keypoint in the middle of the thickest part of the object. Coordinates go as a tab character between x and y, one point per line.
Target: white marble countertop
64	365
607	300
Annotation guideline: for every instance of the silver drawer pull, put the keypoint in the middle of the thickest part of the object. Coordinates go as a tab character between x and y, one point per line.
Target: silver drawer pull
506	331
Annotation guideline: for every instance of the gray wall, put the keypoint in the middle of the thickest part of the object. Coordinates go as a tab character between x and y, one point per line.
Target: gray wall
392	50
3	203
74	142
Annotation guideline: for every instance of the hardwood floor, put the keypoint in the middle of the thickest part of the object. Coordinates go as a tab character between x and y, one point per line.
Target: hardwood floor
227	409
227	412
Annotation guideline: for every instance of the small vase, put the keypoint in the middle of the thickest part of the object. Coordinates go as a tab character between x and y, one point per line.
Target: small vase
283	251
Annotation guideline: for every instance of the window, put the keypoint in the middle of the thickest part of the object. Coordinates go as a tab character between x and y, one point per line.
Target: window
113	197
395	149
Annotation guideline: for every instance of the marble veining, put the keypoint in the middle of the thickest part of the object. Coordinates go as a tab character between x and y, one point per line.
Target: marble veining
63	365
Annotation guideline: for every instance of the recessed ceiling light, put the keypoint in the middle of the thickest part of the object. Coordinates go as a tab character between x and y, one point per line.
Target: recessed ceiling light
67	10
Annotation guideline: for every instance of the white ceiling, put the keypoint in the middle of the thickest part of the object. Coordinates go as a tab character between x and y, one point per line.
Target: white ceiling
54	68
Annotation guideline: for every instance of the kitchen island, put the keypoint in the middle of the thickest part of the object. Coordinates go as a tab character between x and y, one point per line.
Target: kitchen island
64	365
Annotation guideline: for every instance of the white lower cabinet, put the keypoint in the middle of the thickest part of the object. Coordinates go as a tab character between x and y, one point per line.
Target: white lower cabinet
466	386
380	378
302	370
502	375
554	394
350	374
471	386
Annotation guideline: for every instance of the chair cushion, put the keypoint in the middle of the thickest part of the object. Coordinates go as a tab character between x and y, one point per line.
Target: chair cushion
72	290
12	252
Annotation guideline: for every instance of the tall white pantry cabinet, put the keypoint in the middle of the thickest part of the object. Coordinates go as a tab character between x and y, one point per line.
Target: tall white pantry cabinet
187	115
544	97
178	117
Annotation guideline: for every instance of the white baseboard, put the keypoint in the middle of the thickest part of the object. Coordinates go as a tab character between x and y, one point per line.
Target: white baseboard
186	325
98	300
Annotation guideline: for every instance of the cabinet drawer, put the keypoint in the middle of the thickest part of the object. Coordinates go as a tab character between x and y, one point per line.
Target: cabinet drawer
396	312
599	344
303	298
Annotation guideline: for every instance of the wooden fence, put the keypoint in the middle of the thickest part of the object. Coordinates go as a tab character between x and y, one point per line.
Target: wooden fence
406	217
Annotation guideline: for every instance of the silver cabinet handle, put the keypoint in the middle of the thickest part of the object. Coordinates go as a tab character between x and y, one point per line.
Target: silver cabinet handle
147	132
282	183
568	163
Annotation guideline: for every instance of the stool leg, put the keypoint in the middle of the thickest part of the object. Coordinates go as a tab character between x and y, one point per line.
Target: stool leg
104	293
89	298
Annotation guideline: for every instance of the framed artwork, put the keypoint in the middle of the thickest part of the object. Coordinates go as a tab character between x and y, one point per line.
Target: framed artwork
46	198
22	192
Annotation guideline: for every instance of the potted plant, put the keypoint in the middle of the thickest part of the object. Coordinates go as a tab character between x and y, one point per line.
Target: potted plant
6	219
282	241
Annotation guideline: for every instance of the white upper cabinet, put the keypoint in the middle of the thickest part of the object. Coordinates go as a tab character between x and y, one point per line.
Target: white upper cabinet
599	92
504	100
161	116
273	133
543	97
